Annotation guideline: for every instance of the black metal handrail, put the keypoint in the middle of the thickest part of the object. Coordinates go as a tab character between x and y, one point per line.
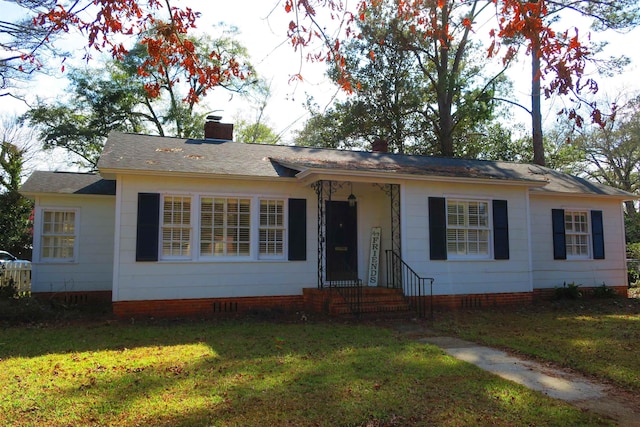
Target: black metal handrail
351	293
401	276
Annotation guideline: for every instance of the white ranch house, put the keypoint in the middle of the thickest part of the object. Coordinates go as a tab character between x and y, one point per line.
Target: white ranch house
172	227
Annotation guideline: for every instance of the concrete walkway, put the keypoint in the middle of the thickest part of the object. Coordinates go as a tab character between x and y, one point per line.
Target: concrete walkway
575	389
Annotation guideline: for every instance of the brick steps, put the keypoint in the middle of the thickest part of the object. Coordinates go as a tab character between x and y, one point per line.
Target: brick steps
372	300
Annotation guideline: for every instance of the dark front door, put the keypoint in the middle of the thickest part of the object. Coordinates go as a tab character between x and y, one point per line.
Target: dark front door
342	241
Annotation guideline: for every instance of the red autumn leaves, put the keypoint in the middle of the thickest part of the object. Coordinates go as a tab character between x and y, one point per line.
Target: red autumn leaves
563	56
164	29
103	21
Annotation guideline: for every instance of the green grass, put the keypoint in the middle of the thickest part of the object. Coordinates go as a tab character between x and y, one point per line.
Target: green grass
251	373
600	337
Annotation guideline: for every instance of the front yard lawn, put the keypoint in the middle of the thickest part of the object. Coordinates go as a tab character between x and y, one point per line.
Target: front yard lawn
600	337
251	373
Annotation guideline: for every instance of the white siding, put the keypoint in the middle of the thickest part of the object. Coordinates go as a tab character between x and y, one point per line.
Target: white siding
466	276
211	279
93	268
530	264
549	273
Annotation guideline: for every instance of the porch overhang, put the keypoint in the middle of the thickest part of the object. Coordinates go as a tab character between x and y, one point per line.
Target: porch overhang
308	174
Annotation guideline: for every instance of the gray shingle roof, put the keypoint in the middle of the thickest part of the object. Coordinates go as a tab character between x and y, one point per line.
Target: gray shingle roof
160	154
559	182
130	152
152	153
68	183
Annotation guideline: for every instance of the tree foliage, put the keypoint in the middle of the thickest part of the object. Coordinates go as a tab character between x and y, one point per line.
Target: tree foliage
344	125
609	154
255	129
162	28
175	92
559	57
15	209
563	56
23	44
254	133
117	97
98	103
515	19
613	151
420	95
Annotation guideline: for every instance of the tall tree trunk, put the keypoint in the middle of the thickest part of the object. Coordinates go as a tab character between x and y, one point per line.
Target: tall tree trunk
536	114
536	108
630	208
446	126
444	91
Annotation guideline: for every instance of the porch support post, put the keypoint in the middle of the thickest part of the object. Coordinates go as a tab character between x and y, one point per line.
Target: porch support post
393	191
323	190
396	241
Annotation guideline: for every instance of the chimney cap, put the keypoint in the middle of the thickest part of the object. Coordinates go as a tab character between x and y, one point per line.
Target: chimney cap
213	118
380	145
214	129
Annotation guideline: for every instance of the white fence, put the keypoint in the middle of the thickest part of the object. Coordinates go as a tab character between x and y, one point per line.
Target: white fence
16	273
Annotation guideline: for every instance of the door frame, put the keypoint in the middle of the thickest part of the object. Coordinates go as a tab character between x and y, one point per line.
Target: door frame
348	216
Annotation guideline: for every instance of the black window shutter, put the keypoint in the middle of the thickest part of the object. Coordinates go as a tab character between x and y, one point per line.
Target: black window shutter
597	234
559	239
500	230
437	228
297	230
148	225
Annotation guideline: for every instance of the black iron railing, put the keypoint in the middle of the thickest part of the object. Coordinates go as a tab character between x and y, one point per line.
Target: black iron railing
414	287
351	293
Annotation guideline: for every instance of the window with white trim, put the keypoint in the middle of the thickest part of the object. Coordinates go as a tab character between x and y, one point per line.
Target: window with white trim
468	228
59	234
225	226
176	227
272	229
576	225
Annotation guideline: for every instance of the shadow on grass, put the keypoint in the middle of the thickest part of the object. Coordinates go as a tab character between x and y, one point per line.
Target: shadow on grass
248	373
23	311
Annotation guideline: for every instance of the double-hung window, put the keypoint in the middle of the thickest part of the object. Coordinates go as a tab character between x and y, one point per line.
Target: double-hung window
207	227
272	229
468	228
576	226
578	234
176	227
225	226
59	235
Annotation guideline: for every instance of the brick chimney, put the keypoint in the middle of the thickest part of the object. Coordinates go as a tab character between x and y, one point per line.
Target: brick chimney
213	129
380	146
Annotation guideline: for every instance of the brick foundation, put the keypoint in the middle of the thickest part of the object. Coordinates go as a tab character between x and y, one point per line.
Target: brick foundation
481	300
75	298
312	300
207	307
547	294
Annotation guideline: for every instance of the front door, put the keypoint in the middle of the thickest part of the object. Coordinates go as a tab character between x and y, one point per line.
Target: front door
342	241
